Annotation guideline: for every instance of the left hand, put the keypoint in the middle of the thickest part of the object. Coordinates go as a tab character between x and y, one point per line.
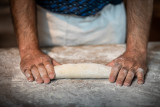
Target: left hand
126	66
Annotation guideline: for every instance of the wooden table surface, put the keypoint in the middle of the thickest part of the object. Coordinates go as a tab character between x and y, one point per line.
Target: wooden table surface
16	91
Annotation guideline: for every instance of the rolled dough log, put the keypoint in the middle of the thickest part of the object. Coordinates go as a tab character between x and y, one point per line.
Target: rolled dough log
82	70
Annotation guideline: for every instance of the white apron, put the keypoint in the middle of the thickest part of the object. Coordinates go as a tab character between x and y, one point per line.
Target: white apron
106	27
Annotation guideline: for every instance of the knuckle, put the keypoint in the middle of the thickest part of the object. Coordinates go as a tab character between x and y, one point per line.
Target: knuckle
130	75
32	66
50	69
140	70
22	65
40	64
47	59
124	69
121	76
120	82
140	78
47	62
120	79
132	71
41	70
117	66
50	73
127	80
48	65
24	68
45	76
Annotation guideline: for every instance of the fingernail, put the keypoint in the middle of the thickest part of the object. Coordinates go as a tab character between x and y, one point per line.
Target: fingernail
118	84
46	80
140	82
51	76
28	75
30	79
126	84
112	80
39	81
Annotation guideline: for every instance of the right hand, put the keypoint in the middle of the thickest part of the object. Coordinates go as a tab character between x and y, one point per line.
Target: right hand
38	66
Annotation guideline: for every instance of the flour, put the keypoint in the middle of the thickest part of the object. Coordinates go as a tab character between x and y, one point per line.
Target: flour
17	91
99	54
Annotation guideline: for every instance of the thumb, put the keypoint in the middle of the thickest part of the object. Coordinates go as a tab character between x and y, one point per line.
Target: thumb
111	64
55	62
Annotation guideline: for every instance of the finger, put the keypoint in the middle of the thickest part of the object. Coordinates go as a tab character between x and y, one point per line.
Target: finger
129	77
43	73
36	74
50	70
28	75
114	72
140	76
55	62
121	76
111	64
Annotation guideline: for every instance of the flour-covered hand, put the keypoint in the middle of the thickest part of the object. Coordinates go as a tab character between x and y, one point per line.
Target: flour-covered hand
38	66
126	67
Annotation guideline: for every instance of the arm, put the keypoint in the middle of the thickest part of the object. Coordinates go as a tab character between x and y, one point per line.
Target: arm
24	19
139	13
133	61
34	63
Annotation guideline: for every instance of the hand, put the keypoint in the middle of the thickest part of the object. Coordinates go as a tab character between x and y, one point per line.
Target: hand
38	66
126	66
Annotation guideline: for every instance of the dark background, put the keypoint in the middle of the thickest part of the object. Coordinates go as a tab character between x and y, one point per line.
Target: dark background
8	39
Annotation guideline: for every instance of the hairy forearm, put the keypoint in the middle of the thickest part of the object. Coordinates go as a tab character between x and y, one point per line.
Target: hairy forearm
24	19
139	13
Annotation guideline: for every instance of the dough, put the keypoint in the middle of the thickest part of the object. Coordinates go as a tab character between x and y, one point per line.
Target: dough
82	70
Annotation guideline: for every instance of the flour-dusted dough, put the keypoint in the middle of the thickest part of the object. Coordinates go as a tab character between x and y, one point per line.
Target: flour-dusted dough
82	70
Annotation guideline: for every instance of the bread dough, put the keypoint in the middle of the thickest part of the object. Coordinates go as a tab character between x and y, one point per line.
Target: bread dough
82	70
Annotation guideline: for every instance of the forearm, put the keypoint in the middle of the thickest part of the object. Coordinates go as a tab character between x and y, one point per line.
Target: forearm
139	14
24	19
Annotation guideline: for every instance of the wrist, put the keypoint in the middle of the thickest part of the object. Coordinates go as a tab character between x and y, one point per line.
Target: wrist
137	48
136	53
26	51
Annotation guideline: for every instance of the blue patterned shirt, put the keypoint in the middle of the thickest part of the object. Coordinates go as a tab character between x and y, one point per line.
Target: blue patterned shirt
76	7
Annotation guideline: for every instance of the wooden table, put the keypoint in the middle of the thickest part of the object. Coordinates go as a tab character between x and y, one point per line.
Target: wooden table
15	90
